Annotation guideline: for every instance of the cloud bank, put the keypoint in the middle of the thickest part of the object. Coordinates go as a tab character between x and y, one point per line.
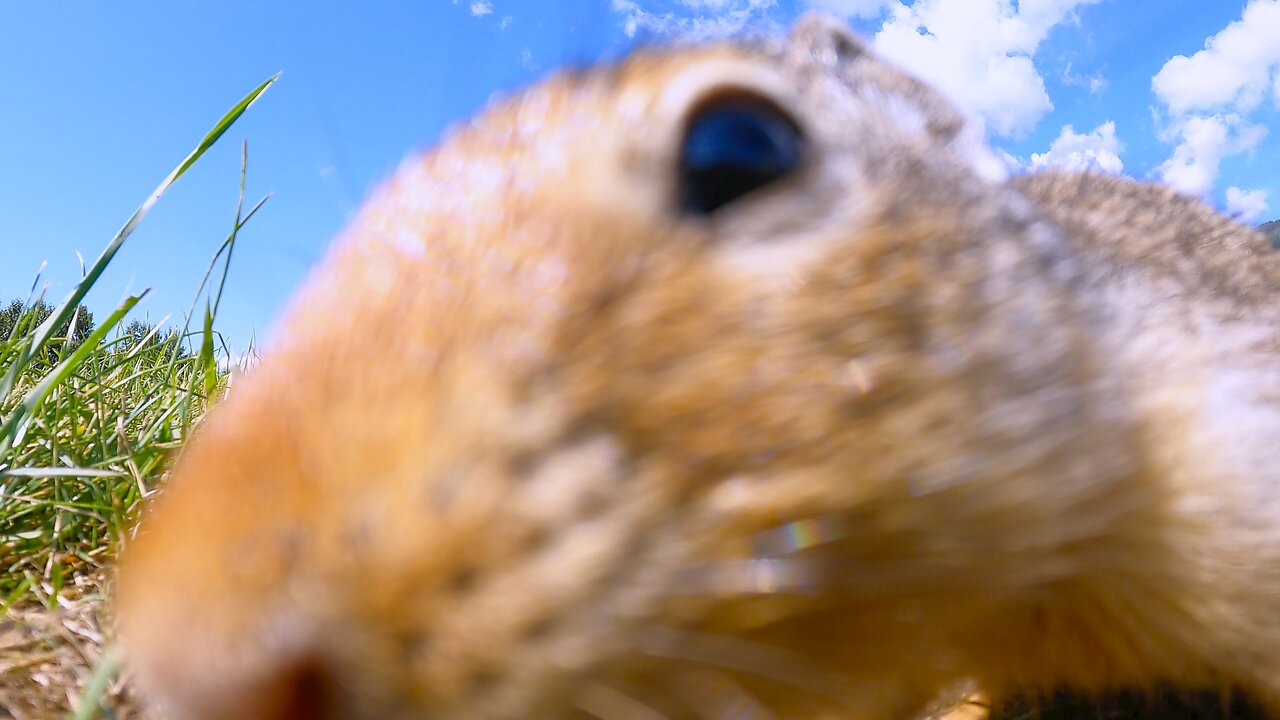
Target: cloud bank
979	52
1210	97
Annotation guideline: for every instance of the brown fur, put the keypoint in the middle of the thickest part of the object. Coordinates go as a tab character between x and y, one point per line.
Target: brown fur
531	443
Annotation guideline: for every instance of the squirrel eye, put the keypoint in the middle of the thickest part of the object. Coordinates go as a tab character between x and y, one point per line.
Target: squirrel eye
732	147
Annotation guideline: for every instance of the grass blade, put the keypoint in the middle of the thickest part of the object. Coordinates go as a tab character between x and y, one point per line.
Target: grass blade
72	301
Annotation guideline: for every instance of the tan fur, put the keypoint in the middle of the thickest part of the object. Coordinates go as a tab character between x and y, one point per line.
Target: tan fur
531	443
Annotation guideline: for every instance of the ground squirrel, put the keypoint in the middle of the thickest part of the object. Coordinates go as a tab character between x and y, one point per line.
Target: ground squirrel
734	379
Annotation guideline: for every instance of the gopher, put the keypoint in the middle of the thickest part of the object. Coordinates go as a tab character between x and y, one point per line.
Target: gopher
732	378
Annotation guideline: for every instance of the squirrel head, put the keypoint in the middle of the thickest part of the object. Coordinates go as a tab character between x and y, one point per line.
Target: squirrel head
698	379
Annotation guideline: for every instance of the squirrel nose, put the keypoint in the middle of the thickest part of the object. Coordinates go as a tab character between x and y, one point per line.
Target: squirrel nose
822	37
303	690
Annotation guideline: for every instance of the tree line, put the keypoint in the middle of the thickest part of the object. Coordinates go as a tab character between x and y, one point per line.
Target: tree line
17	318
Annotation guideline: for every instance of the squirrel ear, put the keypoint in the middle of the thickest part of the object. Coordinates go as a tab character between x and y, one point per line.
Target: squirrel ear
825	38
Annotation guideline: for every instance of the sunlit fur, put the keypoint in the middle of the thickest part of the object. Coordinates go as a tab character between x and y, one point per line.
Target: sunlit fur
530	443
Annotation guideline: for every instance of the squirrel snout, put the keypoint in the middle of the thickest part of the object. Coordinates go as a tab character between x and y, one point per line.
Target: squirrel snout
302	690
305	689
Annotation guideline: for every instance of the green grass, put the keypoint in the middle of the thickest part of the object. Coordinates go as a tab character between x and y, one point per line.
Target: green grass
85	429
88	423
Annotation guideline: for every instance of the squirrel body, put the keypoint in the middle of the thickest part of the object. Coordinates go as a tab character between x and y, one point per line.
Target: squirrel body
534	441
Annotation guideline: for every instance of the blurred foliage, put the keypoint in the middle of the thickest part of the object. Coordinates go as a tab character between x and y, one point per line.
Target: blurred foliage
1272	231
68	334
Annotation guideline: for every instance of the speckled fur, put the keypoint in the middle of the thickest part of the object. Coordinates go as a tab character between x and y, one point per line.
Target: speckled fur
530	443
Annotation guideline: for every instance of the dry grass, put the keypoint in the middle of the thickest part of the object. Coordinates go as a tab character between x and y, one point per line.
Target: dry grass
49	657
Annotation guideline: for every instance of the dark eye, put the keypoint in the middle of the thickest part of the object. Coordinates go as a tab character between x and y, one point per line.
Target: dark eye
733	147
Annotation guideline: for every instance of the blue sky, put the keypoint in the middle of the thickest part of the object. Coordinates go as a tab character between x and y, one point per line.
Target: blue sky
102	99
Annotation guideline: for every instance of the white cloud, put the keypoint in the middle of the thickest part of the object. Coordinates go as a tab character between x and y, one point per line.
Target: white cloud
1098	149
504	23
705	19
1232	71
850	8
480	8
979	52
1246	204
1095	83
1210	96
1203	141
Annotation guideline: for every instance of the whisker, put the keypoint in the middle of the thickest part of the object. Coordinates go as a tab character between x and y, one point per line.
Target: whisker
715	696
738	655
607	703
